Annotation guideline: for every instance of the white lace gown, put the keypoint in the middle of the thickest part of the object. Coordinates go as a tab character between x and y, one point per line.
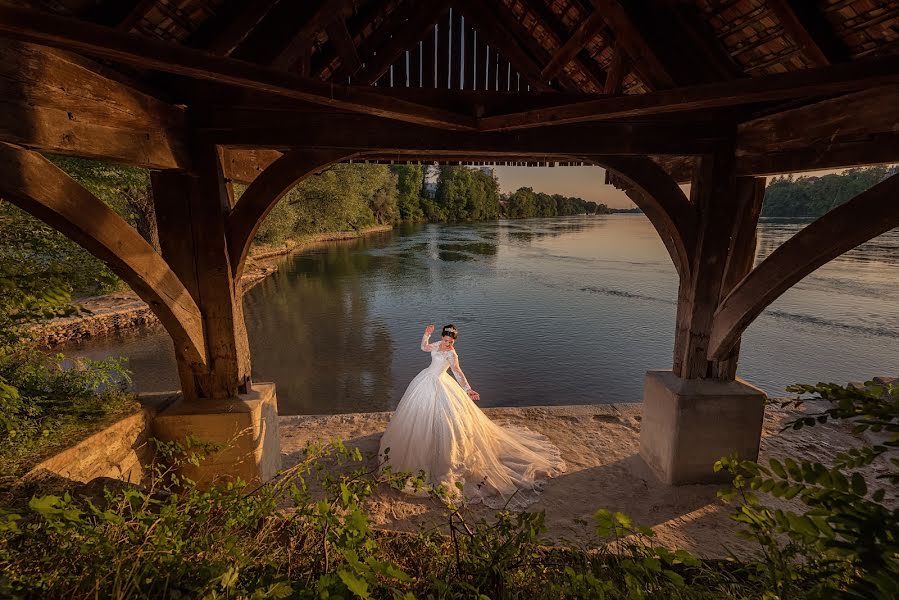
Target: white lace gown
438	429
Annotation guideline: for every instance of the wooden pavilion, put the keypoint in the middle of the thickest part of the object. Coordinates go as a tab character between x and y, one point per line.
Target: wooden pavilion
204	93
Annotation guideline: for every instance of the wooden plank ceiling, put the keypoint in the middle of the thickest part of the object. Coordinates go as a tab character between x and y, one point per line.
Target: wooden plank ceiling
564	60
585	46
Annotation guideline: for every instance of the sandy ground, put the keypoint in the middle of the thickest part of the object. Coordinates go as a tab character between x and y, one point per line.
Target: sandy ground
600	445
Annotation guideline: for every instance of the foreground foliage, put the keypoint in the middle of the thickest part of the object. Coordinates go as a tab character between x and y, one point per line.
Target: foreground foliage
308	535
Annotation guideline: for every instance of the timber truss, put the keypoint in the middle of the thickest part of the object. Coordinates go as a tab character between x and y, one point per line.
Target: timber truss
206	93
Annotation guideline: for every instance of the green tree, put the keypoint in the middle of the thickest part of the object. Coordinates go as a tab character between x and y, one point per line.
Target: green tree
522	204
410	179
546	206
787	196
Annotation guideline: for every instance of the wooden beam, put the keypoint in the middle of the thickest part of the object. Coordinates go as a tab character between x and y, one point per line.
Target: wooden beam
343	42
227	30
264	193
35	185
712	193
549	21
120	14
866	216
499	37
43	28
54	102
750	193
847	77
585	32
627	36
241	165
615	73
361	133
201	198
328	13
859	128
664	203
810	30
406	31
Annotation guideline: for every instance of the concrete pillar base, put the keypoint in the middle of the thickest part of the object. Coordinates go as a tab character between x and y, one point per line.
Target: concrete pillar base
688	424
247	427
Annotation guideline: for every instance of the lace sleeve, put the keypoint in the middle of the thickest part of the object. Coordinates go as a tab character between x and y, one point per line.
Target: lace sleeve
457	371
425	346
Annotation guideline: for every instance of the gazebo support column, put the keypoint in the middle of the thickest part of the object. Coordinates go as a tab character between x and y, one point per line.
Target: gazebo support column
698	412
219	403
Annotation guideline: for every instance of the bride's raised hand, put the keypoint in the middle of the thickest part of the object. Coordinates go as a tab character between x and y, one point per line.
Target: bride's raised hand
429	330
474	395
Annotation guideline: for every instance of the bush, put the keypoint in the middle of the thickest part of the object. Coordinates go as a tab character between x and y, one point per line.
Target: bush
845	538
48	401
308	535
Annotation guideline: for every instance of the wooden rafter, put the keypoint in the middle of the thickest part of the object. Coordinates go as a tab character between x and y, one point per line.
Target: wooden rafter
627	36
500	37
42	28
120	14
403	30
866	216
550	23
328	13
342	40
782	86
35	185
810	30
565	54
615	73
224	32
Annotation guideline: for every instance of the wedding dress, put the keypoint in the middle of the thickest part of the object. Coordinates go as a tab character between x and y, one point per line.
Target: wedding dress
438	429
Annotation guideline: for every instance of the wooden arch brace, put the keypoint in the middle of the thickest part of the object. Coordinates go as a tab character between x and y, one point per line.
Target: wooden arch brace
37	186
664	203
264	193
866	216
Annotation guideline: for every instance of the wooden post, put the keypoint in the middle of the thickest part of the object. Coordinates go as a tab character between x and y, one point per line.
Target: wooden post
741	257
713	194
191	209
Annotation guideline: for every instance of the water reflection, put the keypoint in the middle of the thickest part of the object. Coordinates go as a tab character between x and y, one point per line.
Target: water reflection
551	311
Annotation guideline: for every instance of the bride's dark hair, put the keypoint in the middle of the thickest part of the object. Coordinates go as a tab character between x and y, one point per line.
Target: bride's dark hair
450	330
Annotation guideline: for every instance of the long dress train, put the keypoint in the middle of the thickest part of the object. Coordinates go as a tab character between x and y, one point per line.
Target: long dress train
437	428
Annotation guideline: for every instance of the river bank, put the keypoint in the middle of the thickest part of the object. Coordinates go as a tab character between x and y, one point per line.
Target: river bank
124	310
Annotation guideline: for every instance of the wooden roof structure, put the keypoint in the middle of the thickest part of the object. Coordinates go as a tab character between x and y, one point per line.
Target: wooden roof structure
205	93
476	65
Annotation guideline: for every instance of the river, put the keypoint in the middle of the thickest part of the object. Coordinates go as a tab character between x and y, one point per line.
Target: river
568	310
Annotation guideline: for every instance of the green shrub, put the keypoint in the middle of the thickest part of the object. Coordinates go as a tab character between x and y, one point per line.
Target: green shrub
845	538
308	535
48	401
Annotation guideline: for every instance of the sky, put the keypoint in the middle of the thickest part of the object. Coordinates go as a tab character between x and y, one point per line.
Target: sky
583	182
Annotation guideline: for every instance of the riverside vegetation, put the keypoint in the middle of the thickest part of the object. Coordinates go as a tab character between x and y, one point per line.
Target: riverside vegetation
307	535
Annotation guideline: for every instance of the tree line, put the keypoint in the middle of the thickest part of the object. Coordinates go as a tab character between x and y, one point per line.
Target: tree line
813	196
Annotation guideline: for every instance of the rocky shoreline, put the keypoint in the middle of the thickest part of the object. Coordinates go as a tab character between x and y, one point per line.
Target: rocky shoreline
124	310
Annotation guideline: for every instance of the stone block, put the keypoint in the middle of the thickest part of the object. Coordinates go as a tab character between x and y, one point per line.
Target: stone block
688	424
246	428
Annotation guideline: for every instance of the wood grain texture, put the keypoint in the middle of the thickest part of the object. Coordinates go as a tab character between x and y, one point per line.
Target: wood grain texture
33	26
54	102
266	190
866	216
35	185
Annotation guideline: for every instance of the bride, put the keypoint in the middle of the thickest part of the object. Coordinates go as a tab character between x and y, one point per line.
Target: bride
438	429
